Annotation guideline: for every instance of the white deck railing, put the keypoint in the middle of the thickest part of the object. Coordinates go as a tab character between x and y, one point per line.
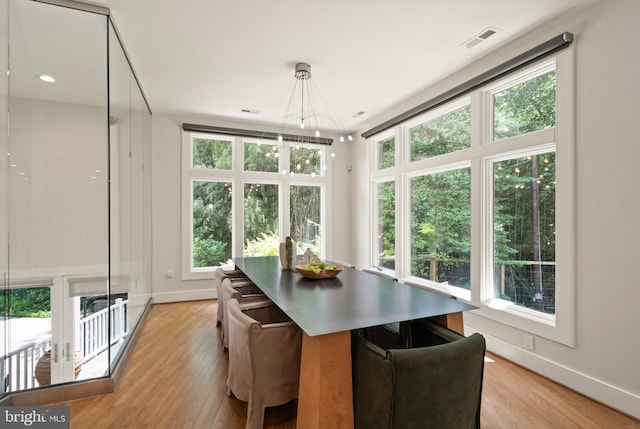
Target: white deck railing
17	368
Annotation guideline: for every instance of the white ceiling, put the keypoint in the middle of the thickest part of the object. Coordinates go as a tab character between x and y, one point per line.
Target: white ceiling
217	57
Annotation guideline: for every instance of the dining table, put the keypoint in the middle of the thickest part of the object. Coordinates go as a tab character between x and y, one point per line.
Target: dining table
327	311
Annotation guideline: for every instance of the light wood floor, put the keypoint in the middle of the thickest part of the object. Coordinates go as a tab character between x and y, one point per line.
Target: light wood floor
176	378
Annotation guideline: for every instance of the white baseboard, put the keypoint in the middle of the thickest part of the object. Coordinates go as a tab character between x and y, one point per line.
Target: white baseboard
612	396
184	295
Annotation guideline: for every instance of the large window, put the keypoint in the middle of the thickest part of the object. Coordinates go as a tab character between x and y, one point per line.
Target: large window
486	199
211	214
385	239
238	202
524	254
261	219
305	205
443	134
440	227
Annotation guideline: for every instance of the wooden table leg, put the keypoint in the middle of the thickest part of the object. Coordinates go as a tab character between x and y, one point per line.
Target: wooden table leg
452	321
325	397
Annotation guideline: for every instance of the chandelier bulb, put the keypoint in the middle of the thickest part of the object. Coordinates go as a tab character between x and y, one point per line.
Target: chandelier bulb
350	137
313	174
279	137
302	124
284	171
342	138
333	155
292	174
317	133
307	162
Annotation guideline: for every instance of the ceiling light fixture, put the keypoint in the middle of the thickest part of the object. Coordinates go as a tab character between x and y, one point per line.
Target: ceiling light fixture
46	78
305	117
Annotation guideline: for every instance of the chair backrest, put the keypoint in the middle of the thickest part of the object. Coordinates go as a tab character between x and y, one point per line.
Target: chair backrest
438	386
449	379
264	357
243	292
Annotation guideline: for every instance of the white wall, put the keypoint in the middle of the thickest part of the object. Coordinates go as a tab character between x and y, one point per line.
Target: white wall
604	363
58	218
166	208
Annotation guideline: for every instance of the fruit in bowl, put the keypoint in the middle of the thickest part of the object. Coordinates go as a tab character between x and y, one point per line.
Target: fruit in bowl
318	270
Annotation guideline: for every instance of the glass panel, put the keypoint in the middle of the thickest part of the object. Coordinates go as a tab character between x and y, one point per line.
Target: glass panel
526	107
58	199
261	219
386	237
306	160
212	219
212	153
123	134
447	133
4	181
386	153
305	210
524	231
261	156
135	296
440	227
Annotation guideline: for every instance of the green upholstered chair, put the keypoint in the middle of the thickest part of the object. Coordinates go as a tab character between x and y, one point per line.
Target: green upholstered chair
435	384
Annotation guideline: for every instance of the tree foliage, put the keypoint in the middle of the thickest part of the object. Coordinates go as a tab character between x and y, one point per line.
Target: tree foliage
386	153
32	302
445	134
261	157
211	223
305	216
386	224
212	154
260	211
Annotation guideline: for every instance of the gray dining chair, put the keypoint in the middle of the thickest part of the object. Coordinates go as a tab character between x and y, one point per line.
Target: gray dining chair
245	292
264	357
218	276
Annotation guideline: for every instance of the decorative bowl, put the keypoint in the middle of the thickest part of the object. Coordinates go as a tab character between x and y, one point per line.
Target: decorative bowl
322	274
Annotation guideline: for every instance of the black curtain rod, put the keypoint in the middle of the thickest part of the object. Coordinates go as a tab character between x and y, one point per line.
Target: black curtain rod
256	134
522	60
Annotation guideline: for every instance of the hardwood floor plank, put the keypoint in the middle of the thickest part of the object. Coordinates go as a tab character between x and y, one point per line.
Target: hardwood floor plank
177	374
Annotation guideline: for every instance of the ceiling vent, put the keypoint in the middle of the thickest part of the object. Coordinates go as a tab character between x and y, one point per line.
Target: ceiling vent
481	37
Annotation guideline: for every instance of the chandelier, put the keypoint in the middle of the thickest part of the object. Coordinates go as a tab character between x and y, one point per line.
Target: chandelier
306	116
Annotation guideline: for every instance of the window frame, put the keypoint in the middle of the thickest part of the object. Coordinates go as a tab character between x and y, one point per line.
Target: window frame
237	176
480	155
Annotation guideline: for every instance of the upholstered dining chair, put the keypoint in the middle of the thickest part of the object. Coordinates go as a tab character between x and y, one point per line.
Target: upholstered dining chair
244	292
264	357
218	277
435	384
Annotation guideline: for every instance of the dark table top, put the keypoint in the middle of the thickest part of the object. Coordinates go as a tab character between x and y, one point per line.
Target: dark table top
353	300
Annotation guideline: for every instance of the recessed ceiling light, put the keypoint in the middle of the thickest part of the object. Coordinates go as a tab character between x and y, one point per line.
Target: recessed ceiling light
46	78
